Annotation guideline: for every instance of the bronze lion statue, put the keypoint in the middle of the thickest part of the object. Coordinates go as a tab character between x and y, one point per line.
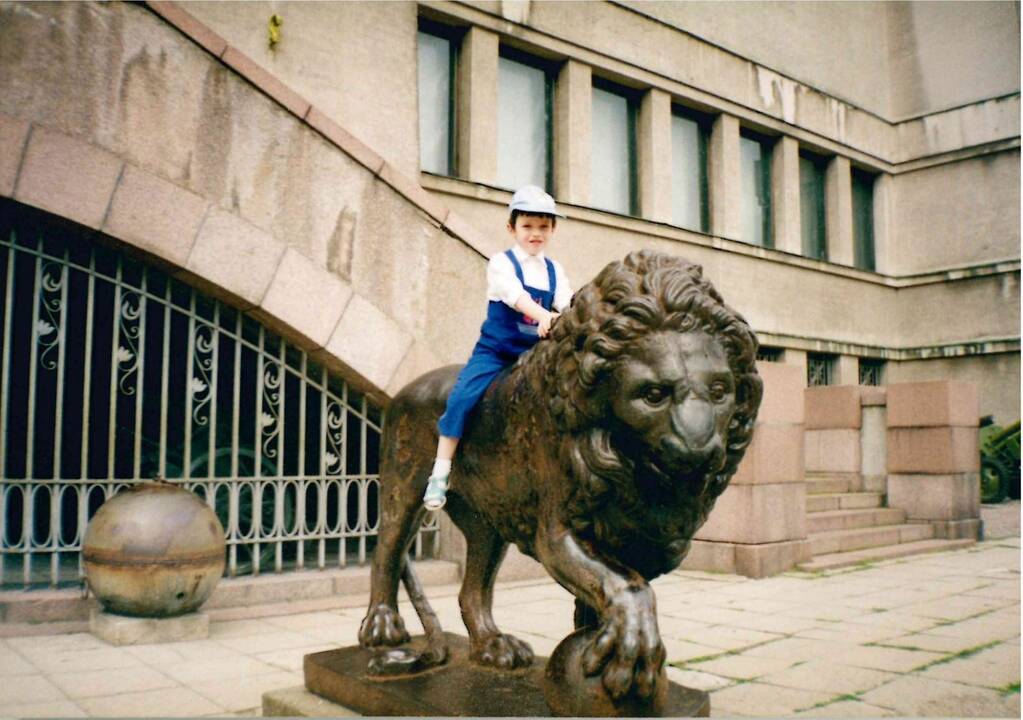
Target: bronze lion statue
599	454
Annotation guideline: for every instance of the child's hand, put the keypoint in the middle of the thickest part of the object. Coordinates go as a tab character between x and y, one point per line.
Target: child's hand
546	322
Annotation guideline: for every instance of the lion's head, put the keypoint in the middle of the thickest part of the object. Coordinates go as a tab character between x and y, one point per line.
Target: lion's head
653	382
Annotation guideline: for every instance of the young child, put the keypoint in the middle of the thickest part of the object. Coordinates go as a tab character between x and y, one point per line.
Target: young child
526	292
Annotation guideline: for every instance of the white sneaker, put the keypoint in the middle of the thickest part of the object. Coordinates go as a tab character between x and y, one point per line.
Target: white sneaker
436	490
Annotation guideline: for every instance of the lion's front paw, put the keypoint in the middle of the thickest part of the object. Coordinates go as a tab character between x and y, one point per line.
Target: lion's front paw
382	626
503	651
628	646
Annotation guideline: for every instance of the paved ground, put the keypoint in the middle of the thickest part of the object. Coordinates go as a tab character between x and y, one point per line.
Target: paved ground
935	635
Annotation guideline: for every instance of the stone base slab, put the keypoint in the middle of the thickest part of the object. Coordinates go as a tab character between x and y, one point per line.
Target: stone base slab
972	529
299	702
459	687
124	630
950	497
755	561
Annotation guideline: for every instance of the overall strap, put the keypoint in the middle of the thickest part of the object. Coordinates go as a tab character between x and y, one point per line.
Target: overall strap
515	264
552	281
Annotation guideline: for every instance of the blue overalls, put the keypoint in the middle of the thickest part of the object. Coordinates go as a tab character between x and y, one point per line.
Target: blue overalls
505	334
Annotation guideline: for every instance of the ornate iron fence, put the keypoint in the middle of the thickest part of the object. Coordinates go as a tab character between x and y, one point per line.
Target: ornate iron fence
114	372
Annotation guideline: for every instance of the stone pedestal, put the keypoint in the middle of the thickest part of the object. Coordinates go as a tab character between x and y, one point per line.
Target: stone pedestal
758	525
933	455
457	688
124	630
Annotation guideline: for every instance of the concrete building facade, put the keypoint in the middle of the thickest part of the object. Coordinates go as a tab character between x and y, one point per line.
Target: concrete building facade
282	173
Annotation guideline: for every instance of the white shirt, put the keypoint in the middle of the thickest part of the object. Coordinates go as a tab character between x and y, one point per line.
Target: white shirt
504	286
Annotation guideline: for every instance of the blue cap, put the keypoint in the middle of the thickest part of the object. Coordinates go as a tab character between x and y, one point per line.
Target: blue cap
533	200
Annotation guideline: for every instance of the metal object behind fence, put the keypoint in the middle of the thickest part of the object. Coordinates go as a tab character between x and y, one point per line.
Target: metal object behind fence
113	372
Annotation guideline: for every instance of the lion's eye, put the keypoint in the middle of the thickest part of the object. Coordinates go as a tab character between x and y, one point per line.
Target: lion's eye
655	395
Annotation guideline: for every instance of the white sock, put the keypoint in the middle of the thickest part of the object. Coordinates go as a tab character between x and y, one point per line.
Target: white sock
441	468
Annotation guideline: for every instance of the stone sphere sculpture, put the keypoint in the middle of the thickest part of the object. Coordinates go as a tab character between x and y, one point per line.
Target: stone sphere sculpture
599	453
154	550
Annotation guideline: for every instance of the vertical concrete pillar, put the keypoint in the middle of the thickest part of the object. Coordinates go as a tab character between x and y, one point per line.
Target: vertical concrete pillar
933	455
725	178
873	439
833	421
785	195
884	224
838	210
847	370
758	525
653	141
791	356
573	101
477	106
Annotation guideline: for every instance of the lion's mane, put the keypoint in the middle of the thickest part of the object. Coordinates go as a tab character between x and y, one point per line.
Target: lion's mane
646	292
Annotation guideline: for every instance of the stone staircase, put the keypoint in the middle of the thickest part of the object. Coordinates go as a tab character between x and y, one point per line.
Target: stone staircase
848	524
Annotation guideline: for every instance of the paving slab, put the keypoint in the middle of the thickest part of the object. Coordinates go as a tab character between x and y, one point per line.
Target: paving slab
60	708
172	702
847	708
219	669
830	677
245	693
291	659
698	680
801	649
265	642
730	638
884	658
12	663
29	689
929	641
760	700
741	667
995	668
99	683
919	696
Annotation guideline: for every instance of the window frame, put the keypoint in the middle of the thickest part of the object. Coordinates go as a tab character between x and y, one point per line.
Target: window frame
864	254
550	71
453	35
827	363
820	164
767	150
704	124
632	101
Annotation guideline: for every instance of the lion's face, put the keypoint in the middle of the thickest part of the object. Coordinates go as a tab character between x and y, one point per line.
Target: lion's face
673	396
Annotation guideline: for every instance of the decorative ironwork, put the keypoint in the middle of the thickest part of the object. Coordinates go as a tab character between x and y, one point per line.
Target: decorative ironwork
819	369
112	372
871	371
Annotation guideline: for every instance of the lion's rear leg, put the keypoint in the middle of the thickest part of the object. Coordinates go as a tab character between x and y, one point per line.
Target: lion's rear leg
485	550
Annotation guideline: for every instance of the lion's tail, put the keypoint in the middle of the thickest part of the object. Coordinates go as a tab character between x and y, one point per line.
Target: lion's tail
436	646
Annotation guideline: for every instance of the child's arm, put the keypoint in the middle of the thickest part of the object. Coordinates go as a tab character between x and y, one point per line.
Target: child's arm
527	306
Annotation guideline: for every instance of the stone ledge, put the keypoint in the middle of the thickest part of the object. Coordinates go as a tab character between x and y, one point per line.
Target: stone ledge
121	630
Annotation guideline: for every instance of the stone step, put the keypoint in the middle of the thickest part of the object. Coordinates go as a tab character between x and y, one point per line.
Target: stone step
828	520
833	561
34	612
835	541
843	501
820	486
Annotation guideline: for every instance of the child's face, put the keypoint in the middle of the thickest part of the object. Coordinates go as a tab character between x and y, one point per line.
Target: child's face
532	232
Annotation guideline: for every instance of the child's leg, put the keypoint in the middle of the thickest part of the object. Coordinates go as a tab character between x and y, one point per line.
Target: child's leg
472	382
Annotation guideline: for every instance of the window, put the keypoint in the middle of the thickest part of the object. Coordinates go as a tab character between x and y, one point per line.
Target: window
436	100
613	180
871	371
688	171
820	369
769	354
524	103
863	219
755	157
811	206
